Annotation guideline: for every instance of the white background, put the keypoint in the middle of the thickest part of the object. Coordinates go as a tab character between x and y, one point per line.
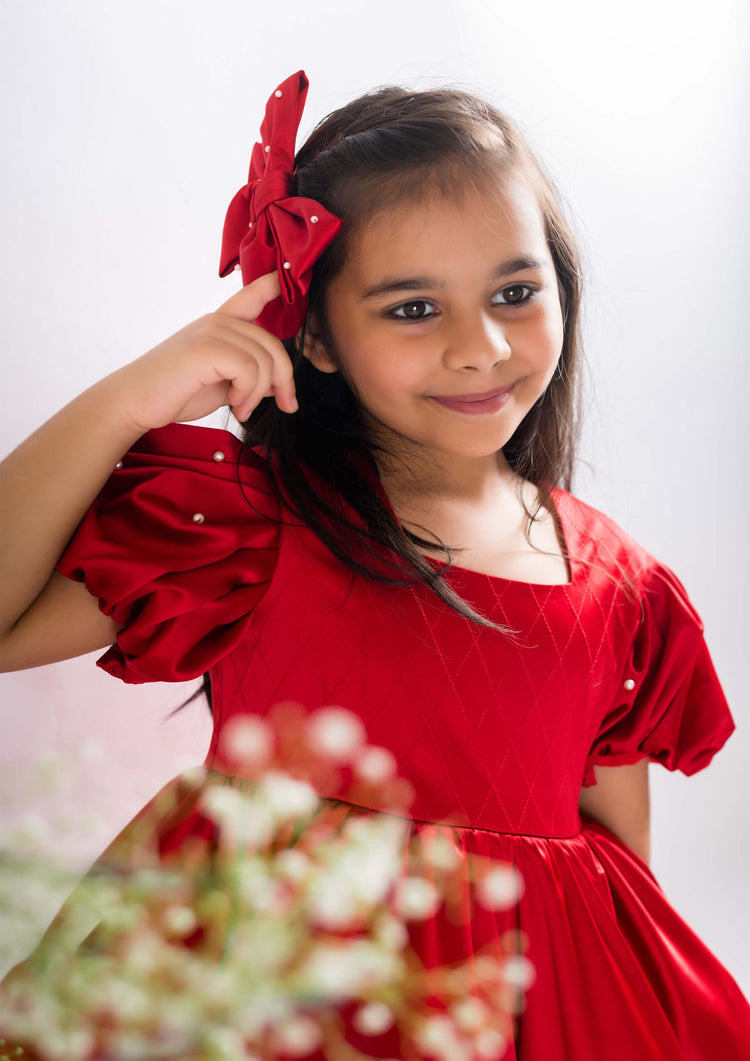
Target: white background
126	130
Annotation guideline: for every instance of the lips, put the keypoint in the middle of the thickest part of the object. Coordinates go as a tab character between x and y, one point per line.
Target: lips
473	397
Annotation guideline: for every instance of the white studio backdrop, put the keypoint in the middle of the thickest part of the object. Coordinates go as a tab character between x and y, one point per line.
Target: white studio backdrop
126	130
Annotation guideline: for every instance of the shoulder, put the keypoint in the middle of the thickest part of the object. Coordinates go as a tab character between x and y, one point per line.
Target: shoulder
598	539
188	443
188	461
188	440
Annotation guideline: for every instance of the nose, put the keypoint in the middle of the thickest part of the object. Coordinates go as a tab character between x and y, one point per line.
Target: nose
475	341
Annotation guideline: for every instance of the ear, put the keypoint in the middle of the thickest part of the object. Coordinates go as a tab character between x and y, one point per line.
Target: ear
314	350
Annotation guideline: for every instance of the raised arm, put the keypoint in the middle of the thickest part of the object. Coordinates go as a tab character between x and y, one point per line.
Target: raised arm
48	482
46	485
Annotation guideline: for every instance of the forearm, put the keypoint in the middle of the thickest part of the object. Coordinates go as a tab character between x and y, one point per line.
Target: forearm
621	801
47	484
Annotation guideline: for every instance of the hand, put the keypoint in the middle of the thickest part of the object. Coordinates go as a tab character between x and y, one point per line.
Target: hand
219	359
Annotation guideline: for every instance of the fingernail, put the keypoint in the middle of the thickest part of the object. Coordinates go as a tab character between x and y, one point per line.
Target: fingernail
294	405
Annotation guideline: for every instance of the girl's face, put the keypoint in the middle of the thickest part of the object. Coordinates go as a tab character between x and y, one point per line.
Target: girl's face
434	301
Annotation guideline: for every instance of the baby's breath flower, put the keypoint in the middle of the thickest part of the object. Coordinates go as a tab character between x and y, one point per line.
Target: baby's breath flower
375	764
331	902
358	874
390	932
490	1044
342	970
255	883
298	1037
246	819
223	1044
469	1013
127	1001
372	872
437	1035
149	882
64	1044
373	1018
222	803
269	1006
286	796
293	865
122	917
501	888
519	972
272	899
381	829
417	899
438	849
180	920
335	733
249	739
144	952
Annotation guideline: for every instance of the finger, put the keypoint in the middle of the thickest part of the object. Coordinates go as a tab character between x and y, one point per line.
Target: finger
247	303
262	370
250	339
248	386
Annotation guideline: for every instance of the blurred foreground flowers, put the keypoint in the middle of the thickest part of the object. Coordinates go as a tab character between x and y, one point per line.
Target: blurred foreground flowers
245	918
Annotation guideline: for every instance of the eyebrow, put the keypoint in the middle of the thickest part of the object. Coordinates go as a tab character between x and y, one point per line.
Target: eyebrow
409	283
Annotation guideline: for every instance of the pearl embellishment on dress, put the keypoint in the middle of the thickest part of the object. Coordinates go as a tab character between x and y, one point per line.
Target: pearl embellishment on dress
218	455
119	464
199	518
629	684
315	219
287	265
278	93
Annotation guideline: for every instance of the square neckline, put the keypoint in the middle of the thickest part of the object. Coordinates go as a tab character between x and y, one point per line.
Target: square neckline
561	528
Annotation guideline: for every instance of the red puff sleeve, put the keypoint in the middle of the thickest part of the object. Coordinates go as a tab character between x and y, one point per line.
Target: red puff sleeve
180	546
676	712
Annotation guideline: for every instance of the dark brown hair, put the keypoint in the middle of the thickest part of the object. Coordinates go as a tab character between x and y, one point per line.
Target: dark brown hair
389	147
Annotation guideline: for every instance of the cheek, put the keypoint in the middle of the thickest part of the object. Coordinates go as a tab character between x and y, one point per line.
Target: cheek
550	336
556	325
380	365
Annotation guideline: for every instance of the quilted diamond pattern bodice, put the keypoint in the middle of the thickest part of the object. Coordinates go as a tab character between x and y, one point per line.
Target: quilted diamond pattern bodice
493	734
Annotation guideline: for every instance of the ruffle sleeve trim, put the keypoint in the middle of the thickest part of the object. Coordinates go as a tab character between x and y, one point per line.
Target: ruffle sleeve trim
179	546
672	708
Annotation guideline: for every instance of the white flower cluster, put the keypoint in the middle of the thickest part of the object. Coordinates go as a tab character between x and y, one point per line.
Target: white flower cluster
249	949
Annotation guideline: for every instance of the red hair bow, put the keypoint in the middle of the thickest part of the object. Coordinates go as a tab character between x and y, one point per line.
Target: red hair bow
267	227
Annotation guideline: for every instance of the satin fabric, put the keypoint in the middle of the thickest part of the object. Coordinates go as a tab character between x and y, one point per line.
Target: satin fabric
267	226
497	738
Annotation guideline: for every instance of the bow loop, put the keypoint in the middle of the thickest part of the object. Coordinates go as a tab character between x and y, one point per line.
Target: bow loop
267	227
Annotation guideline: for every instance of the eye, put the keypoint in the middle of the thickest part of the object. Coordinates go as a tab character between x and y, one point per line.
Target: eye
412	311
509	294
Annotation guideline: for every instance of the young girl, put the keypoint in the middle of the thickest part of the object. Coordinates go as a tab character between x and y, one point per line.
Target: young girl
404	359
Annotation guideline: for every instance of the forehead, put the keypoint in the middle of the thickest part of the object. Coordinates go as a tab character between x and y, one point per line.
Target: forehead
501	219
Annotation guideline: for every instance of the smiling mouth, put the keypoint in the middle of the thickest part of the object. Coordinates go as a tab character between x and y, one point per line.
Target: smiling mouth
483	406
470	399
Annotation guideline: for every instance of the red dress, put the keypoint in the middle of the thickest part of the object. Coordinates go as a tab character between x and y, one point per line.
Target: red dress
496	738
